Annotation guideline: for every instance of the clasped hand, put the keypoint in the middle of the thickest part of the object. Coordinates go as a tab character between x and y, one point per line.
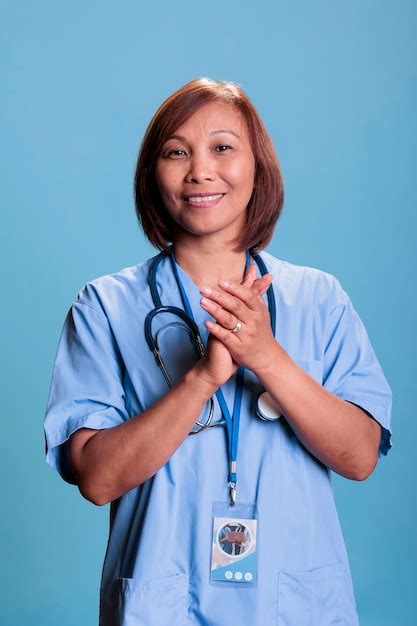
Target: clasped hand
229	303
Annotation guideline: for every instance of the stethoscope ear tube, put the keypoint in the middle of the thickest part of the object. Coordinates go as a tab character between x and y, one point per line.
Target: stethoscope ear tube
175	311
199	426
266	409
191	326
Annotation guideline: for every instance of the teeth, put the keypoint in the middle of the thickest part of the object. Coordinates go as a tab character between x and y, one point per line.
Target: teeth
204	198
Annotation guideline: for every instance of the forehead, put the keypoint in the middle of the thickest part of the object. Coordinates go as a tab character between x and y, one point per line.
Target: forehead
215	116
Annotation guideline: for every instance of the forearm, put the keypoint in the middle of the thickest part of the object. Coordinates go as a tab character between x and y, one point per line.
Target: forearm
118	459
338	433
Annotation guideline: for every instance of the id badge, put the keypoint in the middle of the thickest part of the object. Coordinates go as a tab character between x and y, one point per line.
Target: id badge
234	545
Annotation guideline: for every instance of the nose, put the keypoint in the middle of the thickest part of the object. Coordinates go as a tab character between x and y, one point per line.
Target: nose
200	169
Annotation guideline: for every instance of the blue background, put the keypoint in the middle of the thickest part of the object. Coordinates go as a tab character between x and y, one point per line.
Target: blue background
335	83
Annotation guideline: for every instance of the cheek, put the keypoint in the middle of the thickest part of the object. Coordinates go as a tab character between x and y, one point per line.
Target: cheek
242	174
166	182
165	177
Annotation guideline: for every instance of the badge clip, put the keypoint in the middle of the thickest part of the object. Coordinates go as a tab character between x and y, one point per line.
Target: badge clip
232	487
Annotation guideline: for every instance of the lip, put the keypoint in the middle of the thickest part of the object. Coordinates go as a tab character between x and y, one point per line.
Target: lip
204	204
201	194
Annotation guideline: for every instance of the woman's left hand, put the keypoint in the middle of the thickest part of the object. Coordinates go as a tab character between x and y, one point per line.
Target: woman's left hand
253	344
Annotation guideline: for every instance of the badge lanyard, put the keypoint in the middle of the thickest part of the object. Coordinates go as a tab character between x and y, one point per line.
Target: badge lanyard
232	421
234	546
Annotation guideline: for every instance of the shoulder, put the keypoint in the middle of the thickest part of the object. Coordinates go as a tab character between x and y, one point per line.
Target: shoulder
295	281
124	287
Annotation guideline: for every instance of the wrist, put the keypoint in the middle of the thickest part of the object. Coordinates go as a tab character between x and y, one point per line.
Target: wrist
276	357
200	382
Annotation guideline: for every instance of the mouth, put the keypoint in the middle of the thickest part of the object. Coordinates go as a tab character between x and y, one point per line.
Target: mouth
204	200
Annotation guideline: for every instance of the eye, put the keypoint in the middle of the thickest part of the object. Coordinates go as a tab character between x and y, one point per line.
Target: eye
224	146
175	152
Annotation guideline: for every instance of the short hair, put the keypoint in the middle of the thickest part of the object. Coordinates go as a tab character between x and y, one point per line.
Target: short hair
267	199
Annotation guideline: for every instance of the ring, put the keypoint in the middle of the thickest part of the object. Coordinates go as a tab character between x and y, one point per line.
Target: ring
237	327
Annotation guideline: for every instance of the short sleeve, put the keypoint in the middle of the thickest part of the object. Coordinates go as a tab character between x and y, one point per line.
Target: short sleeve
351	369
86	388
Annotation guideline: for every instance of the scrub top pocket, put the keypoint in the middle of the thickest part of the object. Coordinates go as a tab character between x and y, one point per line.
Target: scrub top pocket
143	602
288	440
312	598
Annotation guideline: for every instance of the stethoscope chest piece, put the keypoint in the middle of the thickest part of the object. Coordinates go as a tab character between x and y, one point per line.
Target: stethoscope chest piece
266	408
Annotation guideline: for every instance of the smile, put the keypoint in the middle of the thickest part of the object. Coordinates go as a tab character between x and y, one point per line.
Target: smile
204	201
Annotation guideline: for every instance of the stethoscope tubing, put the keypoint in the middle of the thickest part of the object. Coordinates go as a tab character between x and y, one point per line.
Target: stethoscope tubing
187	316
232	420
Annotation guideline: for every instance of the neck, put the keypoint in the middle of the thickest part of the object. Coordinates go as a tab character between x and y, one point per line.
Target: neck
207	263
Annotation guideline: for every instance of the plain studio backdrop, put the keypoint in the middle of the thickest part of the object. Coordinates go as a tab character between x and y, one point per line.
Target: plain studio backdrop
335	83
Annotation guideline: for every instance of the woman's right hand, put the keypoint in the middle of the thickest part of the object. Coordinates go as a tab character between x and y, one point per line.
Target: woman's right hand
217	366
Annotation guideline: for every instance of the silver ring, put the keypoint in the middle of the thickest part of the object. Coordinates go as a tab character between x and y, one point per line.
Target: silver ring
237	327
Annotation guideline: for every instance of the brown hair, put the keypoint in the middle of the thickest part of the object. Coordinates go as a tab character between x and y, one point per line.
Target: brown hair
266	202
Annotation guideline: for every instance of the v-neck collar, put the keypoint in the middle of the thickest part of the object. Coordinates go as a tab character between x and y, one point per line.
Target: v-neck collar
192	291
189	282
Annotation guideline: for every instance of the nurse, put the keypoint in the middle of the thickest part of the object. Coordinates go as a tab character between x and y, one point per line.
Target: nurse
234	523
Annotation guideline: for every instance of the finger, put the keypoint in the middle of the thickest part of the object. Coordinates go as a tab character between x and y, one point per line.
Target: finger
250	275
223	317
230	303
225	336
264	289
261	285
245	294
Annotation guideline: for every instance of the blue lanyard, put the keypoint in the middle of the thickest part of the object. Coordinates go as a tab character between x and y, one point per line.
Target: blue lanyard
232	421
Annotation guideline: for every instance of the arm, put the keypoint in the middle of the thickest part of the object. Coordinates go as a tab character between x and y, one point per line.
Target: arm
340	434
109	462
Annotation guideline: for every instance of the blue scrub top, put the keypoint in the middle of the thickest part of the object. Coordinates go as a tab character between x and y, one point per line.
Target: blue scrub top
157	563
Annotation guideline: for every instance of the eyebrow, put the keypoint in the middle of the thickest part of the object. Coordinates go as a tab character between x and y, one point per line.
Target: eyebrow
213	132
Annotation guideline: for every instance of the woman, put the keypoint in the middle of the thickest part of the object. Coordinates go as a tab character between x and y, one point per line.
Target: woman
208	194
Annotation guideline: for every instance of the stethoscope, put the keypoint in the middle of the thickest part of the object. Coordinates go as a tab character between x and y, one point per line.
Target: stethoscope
266	408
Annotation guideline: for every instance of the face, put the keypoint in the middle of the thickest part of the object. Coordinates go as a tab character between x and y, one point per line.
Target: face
205	173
